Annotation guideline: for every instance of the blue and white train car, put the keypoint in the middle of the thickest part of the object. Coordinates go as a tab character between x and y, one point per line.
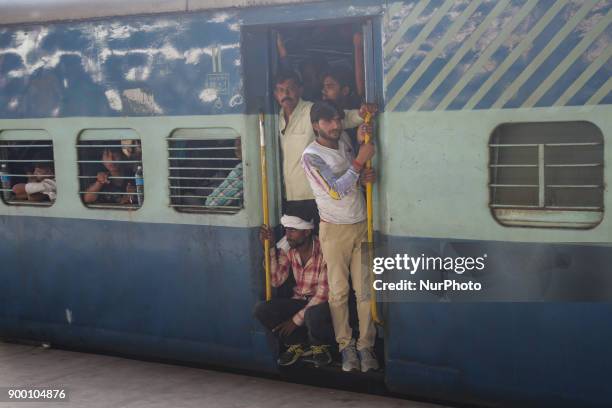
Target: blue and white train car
494	132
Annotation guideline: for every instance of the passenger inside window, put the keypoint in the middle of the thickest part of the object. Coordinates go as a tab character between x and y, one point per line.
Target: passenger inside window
27	172
112	184
131	150
40	185
229	192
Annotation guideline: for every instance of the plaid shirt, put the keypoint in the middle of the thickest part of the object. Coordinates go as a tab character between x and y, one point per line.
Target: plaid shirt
310	279
229	190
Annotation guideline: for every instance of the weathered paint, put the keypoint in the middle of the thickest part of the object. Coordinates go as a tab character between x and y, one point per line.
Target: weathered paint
153	134
139	288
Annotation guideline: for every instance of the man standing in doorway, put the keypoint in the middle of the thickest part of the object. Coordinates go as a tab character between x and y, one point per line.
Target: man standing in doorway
295	134
334	175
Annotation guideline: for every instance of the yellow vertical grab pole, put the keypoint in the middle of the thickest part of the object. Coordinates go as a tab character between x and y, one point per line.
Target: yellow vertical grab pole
370	217
264	201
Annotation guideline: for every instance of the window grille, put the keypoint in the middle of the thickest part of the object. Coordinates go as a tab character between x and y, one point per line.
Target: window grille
547	174
111	172
27	171
205	171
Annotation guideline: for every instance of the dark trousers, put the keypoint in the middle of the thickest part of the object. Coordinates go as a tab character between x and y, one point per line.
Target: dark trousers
317	328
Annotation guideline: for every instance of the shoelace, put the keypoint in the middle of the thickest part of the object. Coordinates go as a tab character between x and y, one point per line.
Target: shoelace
319	349
295	348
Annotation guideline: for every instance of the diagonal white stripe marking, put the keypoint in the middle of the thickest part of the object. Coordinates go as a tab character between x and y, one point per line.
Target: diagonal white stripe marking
601	93
567	62
433	21
452	63
433	54
545	53
512	57
584	77
484	57
404	26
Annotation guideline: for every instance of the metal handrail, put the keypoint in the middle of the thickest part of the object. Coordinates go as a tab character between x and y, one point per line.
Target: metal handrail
201	168
204	158
513	165
12	146
111	161
574	185
201	148
28	175
112	145
109	177
514	185
203	178
208	207
206	196
109	193
26	161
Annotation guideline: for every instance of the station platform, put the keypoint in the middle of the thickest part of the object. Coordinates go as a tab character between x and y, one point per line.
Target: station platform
93	380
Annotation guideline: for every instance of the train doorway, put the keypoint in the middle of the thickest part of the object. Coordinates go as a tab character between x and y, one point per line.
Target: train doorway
314	51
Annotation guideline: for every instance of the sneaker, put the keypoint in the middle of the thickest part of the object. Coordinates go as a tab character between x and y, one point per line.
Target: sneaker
350	361
292	354
320	355
368	360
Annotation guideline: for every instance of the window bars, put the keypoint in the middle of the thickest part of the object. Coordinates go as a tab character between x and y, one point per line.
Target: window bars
205	175
547	167
27	175
111	174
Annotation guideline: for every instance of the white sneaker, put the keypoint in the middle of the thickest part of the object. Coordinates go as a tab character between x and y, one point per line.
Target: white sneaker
368	360
350	361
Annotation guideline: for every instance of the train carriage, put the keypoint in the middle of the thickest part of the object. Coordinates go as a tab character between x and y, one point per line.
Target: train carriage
493	132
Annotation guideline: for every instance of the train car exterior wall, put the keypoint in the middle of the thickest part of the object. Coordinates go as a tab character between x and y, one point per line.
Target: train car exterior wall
159	283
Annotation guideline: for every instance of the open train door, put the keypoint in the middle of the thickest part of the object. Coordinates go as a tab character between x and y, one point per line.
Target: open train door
258	67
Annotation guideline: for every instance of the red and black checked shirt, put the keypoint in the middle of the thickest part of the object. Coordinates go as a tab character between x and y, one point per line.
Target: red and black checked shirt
310	279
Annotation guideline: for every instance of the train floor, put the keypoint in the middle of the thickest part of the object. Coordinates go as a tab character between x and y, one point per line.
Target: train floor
93	380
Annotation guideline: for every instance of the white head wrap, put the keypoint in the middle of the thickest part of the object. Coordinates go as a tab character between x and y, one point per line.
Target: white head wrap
290	221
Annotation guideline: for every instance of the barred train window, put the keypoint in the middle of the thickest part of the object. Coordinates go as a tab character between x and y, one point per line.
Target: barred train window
111	174
27	171
547	174
205	170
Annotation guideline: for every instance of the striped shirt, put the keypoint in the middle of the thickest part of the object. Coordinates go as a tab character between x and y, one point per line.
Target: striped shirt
310	279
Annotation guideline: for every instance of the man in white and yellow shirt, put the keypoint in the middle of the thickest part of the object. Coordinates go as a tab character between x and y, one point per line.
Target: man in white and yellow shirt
335	175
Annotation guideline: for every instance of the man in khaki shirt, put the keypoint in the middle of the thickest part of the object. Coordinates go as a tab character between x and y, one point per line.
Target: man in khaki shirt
295	134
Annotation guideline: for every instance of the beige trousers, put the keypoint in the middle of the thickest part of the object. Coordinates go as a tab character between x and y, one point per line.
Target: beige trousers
341	246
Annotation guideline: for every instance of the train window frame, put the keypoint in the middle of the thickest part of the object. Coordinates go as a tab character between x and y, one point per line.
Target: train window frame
110	138
547	179
213	135
24	139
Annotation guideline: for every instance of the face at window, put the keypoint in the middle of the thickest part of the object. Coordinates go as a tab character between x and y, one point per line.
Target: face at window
329	129
287	94
131	149
332	91
110	159
296	238
43	172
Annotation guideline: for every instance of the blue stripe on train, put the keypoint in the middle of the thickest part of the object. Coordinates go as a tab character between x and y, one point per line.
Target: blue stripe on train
526	354
159	290
186	292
